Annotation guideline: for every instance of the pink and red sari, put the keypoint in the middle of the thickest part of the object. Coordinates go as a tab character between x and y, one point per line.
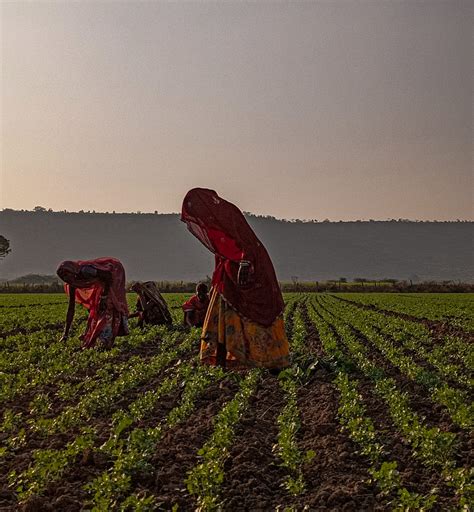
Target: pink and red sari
112	321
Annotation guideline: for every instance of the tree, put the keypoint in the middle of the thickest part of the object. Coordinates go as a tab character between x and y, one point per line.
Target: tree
39	209
4	246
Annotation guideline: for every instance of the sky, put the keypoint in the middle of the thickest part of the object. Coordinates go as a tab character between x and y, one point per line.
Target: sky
318	109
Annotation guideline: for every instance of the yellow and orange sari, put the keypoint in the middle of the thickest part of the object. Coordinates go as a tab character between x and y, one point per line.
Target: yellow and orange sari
248	344
243	326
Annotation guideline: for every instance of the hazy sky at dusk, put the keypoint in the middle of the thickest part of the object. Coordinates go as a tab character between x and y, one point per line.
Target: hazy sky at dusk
322	109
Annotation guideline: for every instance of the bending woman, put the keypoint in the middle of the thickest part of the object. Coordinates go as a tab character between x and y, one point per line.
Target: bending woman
244	323
99	285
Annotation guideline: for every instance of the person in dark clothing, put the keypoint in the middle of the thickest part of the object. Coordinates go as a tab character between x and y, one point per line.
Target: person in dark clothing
151	307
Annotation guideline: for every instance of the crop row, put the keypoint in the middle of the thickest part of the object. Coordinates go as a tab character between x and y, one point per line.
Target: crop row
456	401
454	358
289	424
205	479
60	361
98	394
13	300
50	464
433	447
454	308
355	420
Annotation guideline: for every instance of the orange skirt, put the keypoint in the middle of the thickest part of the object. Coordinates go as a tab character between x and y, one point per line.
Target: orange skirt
248	344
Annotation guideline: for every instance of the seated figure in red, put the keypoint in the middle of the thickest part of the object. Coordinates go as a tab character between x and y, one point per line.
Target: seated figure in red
195	308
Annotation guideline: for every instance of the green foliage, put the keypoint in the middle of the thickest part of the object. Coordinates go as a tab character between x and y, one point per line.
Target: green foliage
455	308
204	481
293	459
36	362
132	454
288	427
432	446
49	465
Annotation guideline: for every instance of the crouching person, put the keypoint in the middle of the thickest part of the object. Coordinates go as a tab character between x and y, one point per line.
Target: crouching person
195	308
151	307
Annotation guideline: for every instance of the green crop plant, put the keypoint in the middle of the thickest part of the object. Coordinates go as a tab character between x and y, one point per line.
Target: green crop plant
288	426
204	480
131	454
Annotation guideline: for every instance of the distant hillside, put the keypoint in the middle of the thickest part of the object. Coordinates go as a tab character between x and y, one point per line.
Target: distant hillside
158	246
35	279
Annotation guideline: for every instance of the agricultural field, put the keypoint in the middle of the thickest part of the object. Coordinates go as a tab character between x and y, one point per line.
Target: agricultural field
375	412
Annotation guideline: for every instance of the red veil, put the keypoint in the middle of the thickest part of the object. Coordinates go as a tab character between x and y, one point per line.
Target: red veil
89	290
222	228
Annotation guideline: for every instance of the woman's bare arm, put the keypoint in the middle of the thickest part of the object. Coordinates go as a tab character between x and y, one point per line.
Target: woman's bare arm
70	312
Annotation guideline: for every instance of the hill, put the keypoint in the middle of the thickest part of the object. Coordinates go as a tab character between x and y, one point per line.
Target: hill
158	246
35	279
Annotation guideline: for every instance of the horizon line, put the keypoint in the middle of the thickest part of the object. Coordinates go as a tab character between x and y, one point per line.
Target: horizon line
43	210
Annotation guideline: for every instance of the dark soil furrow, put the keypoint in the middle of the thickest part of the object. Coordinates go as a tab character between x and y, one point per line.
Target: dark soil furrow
177	452
414	475
419	396
253	473
337	477
93	463
101	420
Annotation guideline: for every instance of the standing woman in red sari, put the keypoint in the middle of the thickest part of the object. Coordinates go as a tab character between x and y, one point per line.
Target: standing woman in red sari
244	323
99	285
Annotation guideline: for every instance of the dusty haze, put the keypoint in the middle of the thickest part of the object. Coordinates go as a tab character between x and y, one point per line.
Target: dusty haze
339	110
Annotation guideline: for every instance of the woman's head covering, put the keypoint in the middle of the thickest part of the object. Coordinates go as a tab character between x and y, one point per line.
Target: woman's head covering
70	273
222	228
67	269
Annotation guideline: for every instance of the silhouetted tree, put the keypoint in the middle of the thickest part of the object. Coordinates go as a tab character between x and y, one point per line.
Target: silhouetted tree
4	246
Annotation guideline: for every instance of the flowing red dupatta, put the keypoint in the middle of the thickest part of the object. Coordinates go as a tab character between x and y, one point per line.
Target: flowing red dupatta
88	291
222	228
